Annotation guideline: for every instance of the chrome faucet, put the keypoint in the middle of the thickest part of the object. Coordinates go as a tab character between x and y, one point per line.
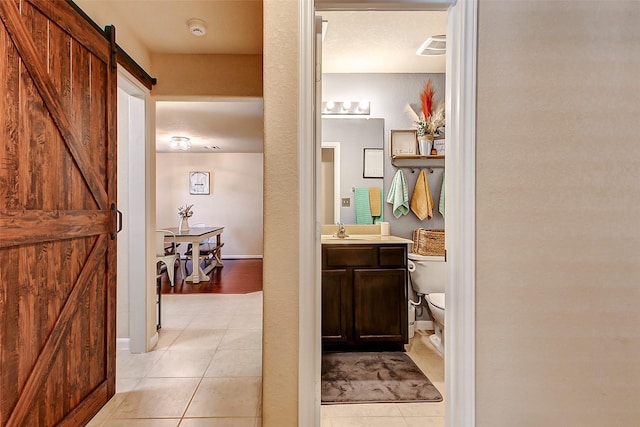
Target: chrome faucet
341	231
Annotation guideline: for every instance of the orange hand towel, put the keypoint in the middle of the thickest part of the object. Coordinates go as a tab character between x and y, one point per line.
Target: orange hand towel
421	200
374	200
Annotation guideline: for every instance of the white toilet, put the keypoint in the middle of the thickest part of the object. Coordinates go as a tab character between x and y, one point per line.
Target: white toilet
429	278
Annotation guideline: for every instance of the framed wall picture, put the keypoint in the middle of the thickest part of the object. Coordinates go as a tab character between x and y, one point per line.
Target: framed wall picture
403	143
198	182
373	163
439	145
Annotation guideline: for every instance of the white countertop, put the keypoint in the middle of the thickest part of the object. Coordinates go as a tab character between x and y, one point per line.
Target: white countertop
370	239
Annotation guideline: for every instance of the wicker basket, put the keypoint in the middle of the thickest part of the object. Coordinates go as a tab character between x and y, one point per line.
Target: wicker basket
428	242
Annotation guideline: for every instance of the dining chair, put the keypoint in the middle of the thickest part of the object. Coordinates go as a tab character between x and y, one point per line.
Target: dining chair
166	255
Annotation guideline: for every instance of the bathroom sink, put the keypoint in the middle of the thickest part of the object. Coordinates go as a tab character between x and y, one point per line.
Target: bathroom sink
351	237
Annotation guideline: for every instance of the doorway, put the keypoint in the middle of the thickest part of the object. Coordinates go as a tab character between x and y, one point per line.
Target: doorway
330	183
389	77
133	303
460	162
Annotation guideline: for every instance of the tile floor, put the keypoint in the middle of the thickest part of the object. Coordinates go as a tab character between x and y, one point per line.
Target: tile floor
206	371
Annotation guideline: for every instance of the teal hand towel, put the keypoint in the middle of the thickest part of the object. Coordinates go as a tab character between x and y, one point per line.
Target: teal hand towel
363	209
441	204
399	195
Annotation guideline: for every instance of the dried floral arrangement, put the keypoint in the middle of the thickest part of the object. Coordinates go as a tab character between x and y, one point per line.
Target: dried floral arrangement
185	211
431	121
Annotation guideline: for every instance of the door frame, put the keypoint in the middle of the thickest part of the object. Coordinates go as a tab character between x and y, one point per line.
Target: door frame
460	219
141	221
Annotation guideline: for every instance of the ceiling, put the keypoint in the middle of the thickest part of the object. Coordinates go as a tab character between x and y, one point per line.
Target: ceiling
381	42
355	42
233	126
233	26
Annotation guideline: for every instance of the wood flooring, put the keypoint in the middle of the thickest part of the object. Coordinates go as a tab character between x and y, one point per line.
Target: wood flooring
238	276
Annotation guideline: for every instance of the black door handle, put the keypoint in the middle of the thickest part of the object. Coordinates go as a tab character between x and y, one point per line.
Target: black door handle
119	226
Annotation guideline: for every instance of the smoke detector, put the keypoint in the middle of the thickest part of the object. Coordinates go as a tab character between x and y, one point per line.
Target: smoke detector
197	27
434	45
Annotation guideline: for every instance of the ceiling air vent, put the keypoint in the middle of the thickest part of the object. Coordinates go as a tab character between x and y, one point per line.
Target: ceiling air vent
435	45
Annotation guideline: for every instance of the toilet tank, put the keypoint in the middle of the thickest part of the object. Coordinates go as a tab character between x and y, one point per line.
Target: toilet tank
428	273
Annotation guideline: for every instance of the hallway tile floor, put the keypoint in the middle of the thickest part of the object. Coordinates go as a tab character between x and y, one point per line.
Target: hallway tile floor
206	371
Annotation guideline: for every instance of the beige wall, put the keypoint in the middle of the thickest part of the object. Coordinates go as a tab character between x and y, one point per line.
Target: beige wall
127	40
558	213
235	199
280	348
207	75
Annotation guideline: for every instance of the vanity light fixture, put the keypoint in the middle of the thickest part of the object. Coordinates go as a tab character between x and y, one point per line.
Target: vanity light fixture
181	143
364	106
344	108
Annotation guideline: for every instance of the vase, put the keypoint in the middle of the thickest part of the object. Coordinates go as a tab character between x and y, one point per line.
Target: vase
425	143
184	226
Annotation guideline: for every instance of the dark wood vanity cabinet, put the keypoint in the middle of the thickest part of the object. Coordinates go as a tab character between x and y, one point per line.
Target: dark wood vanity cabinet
364	296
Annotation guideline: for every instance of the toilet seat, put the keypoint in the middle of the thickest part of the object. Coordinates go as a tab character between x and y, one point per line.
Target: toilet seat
437	300
415	257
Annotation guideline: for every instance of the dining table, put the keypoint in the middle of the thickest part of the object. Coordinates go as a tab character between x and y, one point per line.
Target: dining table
195	235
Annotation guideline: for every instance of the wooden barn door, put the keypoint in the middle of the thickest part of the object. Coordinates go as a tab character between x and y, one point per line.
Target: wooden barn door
57	215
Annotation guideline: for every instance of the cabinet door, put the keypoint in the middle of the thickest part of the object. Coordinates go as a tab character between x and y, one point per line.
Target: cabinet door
380	305
336	309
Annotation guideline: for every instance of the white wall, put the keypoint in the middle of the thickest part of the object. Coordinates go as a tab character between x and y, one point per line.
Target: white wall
234	202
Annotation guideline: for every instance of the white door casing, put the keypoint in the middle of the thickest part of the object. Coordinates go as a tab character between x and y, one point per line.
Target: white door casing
459	222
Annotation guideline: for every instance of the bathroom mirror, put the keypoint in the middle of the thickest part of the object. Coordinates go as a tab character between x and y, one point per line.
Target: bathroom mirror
344	142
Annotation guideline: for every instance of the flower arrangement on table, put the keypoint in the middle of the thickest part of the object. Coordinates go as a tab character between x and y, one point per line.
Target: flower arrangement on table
185	211
430	122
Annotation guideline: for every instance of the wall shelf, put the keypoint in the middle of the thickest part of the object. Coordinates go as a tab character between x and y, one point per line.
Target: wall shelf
416	157
418	161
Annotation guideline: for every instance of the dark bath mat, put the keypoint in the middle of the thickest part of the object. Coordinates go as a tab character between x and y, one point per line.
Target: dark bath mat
374	377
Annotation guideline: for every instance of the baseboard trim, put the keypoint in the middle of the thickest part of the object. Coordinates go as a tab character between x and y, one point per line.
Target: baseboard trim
123	343
425	325
153	341
243	257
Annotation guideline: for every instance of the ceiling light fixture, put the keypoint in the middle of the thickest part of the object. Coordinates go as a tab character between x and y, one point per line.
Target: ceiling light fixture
181	143
197	27
434	45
